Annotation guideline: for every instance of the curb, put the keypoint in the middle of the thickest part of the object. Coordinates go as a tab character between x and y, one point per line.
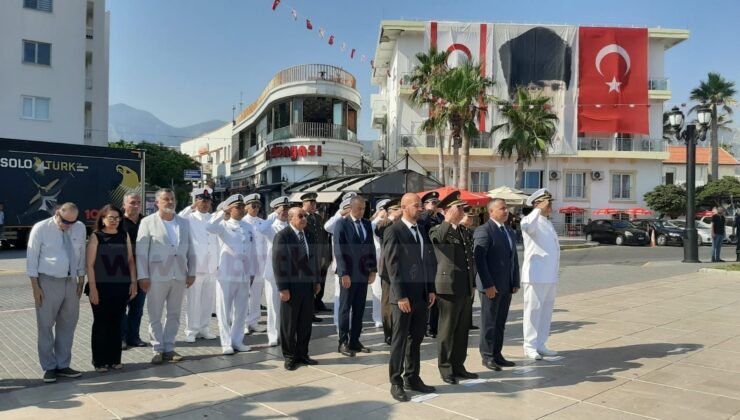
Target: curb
579	246
718	272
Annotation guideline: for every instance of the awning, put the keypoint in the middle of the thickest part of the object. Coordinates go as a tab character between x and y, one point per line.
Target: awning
322	197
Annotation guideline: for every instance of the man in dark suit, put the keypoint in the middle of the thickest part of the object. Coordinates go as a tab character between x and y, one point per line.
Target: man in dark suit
454	285
393	207
430	218
294	265
498	278
321	240
411	266
356	267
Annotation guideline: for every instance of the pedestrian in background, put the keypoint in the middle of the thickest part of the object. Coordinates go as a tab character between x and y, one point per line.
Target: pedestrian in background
131	321
111	283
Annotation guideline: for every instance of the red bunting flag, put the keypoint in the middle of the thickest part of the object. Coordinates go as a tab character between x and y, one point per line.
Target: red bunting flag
352	54
308	25
275	4
331	39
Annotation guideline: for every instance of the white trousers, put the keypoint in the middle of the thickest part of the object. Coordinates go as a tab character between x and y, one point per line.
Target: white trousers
164	294
255	299
377	291
231	308
337	288
272	296
201	297
539	300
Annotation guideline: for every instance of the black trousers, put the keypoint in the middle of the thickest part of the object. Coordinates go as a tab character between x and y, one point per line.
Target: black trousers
408	332
131	322
386	309
319	298
106	330
352	299
493	321
433	322
296	316
452	340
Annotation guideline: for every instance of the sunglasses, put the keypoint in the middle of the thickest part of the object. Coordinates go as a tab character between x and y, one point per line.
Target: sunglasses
67	222
256	206
301	216
112	218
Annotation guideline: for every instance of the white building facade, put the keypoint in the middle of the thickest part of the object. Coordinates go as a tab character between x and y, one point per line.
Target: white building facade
303	126
54	71
589	170
213	151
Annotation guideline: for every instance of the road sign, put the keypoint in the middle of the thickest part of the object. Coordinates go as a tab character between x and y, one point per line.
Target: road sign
192	175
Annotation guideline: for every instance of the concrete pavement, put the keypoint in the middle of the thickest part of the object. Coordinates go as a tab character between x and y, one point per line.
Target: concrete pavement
666	348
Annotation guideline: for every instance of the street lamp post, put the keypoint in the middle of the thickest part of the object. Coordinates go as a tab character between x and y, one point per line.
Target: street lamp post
690	134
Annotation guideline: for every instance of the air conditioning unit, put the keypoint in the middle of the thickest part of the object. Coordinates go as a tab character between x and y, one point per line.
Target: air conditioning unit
597	175
554	175
406	141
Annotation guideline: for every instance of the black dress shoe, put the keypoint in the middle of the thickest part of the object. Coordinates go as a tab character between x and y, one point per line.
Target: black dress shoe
466	375
316	319
345	350
398	393
124	345
321	308
431	334
290	365
309	361
138	344
449	380
419	386
491	365
359	348
388	341
474	327
503	362
263	308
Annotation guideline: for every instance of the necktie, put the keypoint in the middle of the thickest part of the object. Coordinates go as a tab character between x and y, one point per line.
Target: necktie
302	238
503	230
360	231
70	253
415	234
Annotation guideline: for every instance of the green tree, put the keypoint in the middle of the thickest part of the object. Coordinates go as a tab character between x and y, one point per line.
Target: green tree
667	200
717	192
164	167
715	92
462	93
430	66
530	127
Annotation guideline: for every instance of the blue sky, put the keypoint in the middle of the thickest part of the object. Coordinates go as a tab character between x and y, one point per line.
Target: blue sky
187	61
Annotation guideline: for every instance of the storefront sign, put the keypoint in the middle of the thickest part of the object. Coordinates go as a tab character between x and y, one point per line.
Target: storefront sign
292	152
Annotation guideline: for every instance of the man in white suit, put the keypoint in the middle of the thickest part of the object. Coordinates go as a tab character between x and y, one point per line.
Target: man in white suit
237	264
539	274
165	265
201	298
280	208
257	284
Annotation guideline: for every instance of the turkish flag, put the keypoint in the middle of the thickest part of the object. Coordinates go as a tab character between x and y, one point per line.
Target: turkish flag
309	26
613	81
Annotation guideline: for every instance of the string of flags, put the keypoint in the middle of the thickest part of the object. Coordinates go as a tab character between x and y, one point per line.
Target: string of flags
278	5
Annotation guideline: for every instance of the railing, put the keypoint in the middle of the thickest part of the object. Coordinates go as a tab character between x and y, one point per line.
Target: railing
404	79
306	72
88	133
89	33
481	141
621	144
659	84
88	83
312	130
572	191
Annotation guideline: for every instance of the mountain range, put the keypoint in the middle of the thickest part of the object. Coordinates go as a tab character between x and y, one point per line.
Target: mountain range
131	124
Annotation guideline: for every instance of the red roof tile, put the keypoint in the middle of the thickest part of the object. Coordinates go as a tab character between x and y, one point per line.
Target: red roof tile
678	155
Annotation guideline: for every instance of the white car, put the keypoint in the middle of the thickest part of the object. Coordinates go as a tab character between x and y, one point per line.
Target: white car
703	234
706	221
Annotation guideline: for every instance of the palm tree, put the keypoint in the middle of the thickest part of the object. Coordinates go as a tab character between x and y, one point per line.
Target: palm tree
715	92
530	128
430	66
461	91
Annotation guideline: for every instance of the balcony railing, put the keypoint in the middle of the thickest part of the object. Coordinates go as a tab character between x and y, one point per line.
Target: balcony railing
89	33
312	130
574	191
302	73
482	141
88	133
404	79
659	84
621	144
88	83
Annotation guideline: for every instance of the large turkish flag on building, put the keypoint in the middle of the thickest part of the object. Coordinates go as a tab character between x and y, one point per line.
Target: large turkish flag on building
613	81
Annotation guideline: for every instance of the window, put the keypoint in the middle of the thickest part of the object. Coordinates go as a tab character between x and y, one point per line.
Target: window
621	186
43	5
624	142
670	178
36	53
575	185
35	108
532	180
479	181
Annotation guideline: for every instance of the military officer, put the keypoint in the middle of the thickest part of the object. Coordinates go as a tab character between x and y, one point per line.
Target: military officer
321	242
257	284
454	282
429	218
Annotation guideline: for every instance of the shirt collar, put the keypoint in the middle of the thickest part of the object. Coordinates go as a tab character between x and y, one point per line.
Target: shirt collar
296	231
407	223
497	223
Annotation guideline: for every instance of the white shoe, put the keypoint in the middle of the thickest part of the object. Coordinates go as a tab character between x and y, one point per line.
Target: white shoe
190	339
532	355
242	347
544	351
272	344
257	328
378	325
228	351
208	336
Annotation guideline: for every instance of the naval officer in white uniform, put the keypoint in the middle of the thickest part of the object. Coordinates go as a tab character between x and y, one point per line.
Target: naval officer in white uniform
236	266
540	274
257	284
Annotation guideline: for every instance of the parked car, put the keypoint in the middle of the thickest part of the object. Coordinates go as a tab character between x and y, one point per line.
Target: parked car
620	232
730	237
703	235
666	233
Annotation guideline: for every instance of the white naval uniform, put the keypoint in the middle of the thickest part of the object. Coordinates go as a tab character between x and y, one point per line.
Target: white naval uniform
540	274
272	294
237	264
201	296
329	227
376	288
260	226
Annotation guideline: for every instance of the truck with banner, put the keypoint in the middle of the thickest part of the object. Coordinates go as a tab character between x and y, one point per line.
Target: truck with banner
36	177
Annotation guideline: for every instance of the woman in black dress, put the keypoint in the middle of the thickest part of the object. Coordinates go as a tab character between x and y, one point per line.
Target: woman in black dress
111	283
